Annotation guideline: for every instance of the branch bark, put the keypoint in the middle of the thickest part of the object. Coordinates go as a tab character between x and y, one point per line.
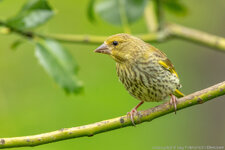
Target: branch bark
116	123
171	30
197	36
95	39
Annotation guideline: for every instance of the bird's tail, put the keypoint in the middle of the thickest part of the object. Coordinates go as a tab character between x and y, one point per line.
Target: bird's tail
178	94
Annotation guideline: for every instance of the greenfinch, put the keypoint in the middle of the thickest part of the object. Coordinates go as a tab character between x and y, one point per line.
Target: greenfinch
145	71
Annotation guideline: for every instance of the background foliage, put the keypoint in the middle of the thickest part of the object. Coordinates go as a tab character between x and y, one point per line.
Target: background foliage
31	102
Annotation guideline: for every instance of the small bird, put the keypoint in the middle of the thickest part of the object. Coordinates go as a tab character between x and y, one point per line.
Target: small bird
145	71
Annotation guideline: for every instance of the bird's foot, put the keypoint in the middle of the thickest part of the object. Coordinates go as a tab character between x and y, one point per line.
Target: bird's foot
173	101
131	114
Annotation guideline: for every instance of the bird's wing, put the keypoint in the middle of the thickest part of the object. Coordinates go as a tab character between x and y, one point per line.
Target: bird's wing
168	65
163	60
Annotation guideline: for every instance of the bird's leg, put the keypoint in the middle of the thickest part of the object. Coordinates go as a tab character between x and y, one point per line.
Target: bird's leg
133	112
173	100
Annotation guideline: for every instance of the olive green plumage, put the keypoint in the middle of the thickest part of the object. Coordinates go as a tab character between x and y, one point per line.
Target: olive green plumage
145	71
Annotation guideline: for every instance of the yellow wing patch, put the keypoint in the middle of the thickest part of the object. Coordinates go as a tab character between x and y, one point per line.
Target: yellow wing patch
171	69
178	93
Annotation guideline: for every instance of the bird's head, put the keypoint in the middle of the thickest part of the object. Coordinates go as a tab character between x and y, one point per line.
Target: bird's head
122	47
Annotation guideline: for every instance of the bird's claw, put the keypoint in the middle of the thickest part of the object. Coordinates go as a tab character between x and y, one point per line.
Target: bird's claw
173	101
131	114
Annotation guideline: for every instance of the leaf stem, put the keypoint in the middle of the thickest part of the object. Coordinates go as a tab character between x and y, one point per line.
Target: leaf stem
18	31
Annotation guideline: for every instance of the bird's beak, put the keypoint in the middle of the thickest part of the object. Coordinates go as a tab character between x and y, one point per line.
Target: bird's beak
103	49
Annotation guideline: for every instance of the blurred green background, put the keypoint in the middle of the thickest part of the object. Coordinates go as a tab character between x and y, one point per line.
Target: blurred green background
31	102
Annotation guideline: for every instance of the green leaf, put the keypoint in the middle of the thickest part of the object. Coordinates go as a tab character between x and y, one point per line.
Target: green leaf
16	43
109	10
33	14
176	7
90	11
59	64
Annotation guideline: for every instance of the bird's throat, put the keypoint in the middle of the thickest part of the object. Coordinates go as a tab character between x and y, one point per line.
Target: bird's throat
119	59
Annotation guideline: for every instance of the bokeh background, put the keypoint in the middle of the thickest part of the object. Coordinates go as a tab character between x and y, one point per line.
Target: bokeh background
31	102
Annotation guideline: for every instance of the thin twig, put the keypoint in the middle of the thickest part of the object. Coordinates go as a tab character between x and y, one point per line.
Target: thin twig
116	123
95	39
150	16
75	38
196	36
171	30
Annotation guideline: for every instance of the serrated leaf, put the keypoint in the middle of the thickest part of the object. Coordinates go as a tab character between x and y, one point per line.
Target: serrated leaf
34	13
176	7
109	10
90	11
59	64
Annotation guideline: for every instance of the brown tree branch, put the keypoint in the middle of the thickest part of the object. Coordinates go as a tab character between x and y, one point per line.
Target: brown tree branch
116	123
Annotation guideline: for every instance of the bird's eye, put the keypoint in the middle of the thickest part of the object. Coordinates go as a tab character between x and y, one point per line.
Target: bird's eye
115	43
